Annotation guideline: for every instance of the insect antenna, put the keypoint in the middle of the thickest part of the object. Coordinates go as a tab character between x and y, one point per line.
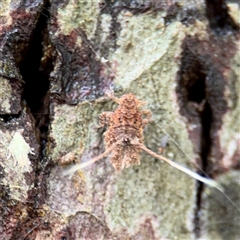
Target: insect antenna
221	187
187	156
209	182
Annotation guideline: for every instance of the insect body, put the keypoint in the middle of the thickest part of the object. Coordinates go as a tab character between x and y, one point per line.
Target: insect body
124	125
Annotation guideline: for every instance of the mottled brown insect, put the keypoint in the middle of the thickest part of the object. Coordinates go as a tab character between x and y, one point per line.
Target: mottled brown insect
125	125
124	138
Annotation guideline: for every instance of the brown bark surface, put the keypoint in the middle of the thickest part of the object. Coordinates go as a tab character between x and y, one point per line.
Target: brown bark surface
57	60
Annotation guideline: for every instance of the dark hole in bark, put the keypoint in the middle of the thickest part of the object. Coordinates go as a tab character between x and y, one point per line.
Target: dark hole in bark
206	120
35	72
193	100
219	19
206	144
8	117
35	68
196	87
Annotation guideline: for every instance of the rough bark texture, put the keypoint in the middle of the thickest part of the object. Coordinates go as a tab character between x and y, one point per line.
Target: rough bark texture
58	58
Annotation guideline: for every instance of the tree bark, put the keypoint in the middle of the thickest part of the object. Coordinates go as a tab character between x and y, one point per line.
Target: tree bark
57	61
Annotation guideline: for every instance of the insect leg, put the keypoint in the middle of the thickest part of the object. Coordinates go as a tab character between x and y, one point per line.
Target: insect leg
148	115
114	159
104	118
131	156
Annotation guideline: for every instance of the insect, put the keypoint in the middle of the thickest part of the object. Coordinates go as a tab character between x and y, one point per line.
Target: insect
114	147
125	125
124	138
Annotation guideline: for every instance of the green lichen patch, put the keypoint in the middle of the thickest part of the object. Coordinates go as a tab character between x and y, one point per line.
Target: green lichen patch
75	128
154	191
79	14
220	218
143	39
